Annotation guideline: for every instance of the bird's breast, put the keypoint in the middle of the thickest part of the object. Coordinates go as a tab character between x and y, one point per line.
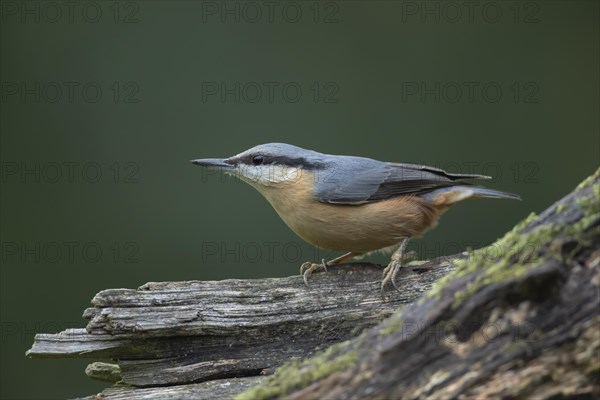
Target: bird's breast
359	228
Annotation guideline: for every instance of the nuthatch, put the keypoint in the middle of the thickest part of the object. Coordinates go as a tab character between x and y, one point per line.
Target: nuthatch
351	204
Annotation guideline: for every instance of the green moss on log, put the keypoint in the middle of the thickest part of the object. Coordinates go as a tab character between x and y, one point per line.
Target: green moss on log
516	253
298	374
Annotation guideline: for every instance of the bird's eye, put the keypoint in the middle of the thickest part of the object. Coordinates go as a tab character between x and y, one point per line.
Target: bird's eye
257	160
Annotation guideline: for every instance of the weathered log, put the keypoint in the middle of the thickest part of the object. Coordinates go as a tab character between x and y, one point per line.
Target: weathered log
220	389
522	324
535	291
178	333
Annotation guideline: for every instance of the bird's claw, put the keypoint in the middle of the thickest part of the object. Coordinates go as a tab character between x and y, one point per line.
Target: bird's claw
307	269
389	274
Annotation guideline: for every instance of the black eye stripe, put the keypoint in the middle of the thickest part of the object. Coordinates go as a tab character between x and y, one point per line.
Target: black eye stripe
260	159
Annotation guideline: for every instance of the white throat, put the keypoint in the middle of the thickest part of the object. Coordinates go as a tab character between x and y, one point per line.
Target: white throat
268	175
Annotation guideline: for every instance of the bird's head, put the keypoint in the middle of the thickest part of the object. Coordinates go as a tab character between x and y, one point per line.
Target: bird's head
268	165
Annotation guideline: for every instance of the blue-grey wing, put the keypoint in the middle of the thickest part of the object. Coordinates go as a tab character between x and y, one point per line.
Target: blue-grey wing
355	180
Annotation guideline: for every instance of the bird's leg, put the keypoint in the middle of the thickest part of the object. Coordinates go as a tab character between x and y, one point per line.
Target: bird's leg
308	268
391	271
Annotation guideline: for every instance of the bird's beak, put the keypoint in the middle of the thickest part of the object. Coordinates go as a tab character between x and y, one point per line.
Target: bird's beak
212	163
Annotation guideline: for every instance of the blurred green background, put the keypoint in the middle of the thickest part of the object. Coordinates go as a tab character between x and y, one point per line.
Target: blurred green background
104	103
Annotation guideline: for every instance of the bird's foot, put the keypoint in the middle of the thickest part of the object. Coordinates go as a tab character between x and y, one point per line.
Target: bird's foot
391	271
389	274
307	269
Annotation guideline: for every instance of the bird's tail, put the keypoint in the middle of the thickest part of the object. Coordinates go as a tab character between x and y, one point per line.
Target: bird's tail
452	194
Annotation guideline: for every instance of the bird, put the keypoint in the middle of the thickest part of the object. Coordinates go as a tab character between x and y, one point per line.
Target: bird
352	204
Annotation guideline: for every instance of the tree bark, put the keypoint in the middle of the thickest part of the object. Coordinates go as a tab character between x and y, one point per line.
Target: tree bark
518	318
